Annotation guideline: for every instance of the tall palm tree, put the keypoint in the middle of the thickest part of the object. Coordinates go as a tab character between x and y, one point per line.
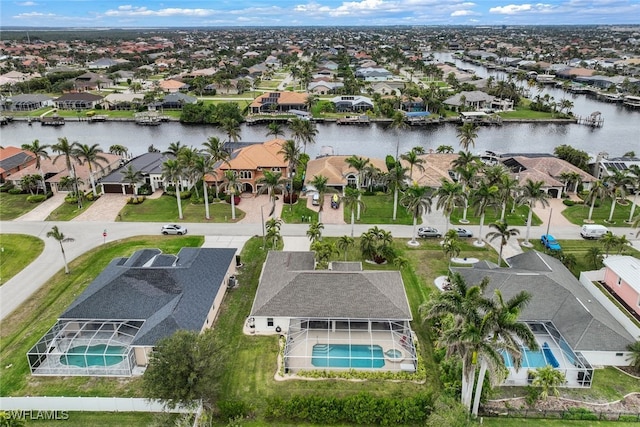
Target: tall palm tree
414	160
218	155
172	172
608	241
270	183
398	124
233	186
396	179
119	150
467	135
344	243
132	176
371	174
174	149
303	131
92	156
65	149
61	238
531	195
40	151
508	188
203	166
597	191
417	200
274	129
502	232
231	128
291	153
314	233
617	184
466	167
273	235
449	196
187	157
483	196
352	201
635	170
319	182
359	164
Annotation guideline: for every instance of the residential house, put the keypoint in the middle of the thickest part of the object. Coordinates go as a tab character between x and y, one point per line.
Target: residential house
605	166
122	101
279	102
175	101
471	100
113	326
321	87
148	164
622	277
352	103
26	102
77	101
389	87
437	166
373	74
319	311
338	172
173	86
14	159
91	81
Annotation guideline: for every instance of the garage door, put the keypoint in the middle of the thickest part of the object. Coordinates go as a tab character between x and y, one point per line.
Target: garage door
112	188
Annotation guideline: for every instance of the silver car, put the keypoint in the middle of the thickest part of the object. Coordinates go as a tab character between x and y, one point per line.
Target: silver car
463	232
173	229
429	232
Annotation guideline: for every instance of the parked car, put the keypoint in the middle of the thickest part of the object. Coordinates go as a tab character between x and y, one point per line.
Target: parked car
173	229
550	242
429	232
315	199
463	232
593	231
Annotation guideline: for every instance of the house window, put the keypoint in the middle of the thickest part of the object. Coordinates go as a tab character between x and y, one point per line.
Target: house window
351	181
276	169
270	322
245	174
619	281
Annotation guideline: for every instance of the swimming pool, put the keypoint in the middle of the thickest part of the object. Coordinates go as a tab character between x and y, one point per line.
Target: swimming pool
347	356
95	355
530	359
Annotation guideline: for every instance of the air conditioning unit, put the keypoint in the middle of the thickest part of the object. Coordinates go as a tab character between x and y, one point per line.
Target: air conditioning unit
232	282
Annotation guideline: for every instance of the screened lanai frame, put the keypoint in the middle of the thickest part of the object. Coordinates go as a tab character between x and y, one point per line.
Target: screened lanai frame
391	341
105	342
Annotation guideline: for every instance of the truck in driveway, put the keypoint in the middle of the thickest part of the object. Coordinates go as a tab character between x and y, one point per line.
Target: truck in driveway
593	231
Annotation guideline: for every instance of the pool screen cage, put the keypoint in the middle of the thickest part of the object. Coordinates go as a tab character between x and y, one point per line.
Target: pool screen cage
86	348
369	344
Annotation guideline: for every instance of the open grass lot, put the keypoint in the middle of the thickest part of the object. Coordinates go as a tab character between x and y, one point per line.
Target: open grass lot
578	213
100	419
68	211
24	327
165	209
17	251
379	210
526	113
14	205
517	422
517	218
298	210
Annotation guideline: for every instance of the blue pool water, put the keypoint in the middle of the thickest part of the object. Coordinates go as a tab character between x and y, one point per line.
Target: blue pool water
95	355
347	356
530	359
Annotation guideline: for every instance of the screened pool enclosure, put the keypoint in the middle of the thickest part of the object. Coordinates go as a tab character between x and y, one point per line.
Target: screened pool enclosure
344	344
86	347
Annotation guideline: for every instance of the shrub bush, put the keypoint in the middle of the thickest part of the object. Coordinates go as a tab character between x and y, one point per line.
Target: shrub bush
144	190
290	198
568	202
6	187
16	190
236	201
230	409
90	197
72	200
135	200
579	414
37	198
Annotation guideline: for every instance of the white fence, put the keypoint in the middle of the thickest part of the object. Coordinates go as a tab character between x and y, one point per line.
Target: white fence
89	404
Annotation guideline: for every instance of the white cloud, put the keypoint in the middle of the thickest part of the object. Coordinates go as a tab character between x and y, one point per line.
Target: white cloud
515	9
131	11
27	3
31	15
464	13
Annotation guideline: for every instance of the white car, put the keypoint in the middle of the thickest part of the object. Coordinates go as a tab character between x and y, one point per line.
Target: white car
173	229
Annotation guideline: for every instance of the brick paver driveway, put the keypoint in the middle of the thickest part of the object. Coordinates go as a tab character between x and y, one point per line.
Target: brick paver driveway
106	208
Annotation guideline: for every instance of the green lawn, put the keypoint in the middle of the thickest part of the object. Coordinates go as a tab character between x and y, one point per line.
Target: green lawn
14	205
518	217
526	113
68	211
578	213
298	210
165	209
16	252
100	419
25	326
379	210
517	422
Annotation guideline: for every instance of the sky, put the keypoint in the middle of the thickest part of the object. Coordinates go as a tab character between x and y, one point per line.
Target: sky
284	13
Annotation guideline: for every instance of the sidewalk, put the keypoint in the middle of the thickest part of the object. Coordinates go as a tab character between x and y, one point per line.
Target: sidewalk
44	209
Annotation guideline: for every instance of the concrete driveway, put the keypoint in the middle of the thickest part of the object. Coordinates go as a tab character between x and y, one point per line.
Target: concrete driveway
44	209
106	208
329	215
256	206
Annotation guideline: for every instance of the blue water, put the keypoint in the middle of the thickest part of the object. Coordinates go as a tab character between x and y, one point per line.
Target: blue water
95	355
530	359
347	356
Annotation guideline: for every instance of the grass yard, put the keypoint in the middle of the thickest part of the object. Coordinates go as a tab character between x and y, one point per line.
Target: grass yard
379	210
25	326
165	209
526	113
99	419
517	218
298	210
17	251
518	422
14	205
578	213
68	211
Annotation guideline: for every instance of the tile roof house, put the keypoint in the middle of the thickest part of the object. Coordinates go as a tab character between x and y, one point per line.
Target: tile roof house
345	304
91	81
280	102
131	305
622	277
170	86
14	159
338	172
437	166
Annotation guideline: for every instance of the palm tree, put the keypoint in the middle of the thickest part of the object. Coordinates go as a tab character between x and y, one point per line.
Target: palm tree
635	169
40	151
508	188
203	166
319	182
91	155
594	255
451	244
359	164
417	200
351	200
218	155
376	245
172	172
119	150
133	177
548	379
597	191
504	233
344	243
174	149
61	238
273	235
371	174
270	183
396	179
532	194
467	135
274	129
291	153
233	186
187	157
444	149
231	128
482	197
466	166
634	357
609	241
414	160
303	131
66	149
449	195
617	187
314	233
398	124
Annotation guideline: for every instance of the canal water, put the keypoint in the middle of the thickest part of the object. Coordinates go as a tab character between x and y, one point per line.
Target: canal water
620	133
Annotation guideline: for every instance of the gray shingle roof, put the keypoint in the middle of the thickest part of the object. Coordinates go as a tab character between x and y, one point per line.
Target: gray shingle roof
558	297
147	163
167	292
289	287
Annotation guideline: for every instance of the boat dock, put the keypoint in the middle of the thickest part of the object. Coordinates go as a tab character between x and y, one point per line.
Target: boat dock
145	119
354	120
631	101
594	120
100	118
51	121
